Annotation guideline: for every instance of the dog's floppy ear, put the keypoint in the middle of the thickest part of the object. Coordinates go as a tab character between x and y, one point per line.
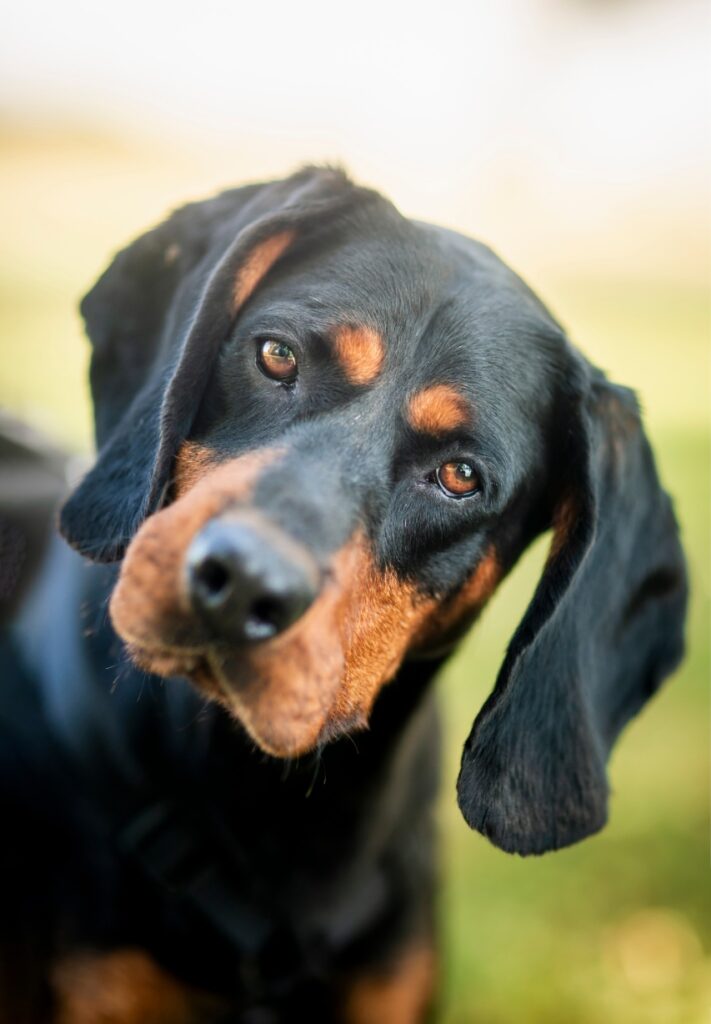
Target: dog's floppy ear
125	311
156	320
604	628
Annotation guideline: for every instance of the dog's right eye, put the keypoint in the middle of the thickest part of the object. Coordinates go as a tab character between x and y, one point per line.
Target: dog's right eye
457	479
277	361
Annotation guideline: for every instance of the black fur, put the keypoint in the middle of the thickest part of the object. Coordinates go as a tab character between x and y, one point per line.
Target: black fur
328	861
594	645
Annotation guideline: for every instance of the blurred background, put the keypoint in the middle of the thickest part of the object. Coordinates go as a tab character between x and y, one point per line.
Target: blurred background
573	137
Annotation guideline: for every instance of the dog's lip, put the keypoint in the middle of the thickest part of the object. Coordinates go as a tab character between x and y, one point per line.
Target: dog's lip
193	661
192	664
164	649
215	661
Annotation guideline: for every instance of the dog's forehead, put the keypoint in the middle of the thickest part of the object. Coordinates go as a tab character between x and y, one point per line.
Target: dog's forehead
445	307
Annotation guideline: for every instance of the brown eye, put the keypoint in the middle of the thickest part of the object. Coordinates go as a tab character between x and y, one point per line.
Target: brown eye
277	360
457	479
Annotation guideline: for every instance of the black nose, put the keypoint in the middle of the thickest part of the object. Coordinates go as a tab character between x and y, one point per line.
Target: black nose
248	581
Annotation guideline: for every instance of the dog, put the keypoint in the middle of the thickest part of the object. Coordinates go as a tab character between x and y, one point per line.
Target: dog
325	433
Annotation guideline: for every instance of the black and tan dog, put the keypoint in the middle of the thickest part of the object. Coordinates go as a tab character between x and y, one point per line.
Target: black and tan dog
325	433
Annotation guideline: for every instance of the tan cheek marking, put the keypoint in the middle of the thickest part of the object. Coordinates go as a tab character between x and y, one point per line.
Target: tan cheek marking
124	987
379	617
464	605
361	352
564	520
258	263
437	410
192	462
402	995
147	607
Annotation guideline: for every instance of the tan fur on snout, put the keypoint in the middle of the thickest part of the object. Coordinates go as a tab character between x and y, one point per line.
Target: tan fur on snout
149	607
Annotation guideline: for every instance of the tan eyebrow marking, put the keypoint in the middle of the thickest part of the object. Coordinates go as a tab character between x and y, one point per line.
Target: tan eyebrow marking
438	409
147	602
360	351
261	259
466	603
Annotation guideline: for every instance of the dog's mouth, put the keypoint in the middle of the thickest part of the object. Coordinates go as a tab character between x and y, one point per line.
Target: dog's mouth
170	661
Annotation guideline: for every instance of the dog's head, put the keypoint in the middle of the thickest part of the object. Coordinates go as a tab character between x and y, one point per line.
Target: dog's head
325	433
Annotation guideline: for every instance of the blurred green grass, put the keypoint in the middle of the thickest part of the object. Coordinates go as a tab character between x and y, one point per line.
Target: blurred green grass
617	929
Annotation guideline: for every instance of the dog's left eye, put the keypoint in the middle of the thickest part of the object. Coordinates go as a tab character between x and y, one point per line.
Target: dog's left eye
457	479
277	361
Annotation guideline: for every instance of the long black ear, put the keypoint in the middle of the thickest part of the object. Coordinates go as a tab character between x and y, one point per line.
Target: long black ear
156	320
604	628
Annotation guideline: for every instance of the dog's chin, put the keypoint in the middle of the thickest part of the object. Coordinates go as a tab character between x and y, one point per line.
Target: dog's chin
278	730
282	723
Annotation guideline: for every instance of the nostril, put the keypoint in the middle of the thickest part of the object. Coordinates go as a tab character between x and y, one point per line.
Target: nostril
265	618
213	579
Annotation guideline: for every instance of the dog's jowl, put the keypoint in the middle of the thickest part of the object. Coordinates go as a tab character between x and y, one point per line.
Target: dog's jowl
325	433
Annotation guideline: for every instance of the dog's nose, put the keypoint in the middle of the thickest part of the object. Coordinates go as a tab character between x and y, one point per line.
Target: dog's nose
248	581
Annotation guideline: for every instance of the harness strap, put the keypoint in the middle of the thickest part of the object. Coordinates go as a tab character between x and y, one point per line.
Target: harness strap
160	837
